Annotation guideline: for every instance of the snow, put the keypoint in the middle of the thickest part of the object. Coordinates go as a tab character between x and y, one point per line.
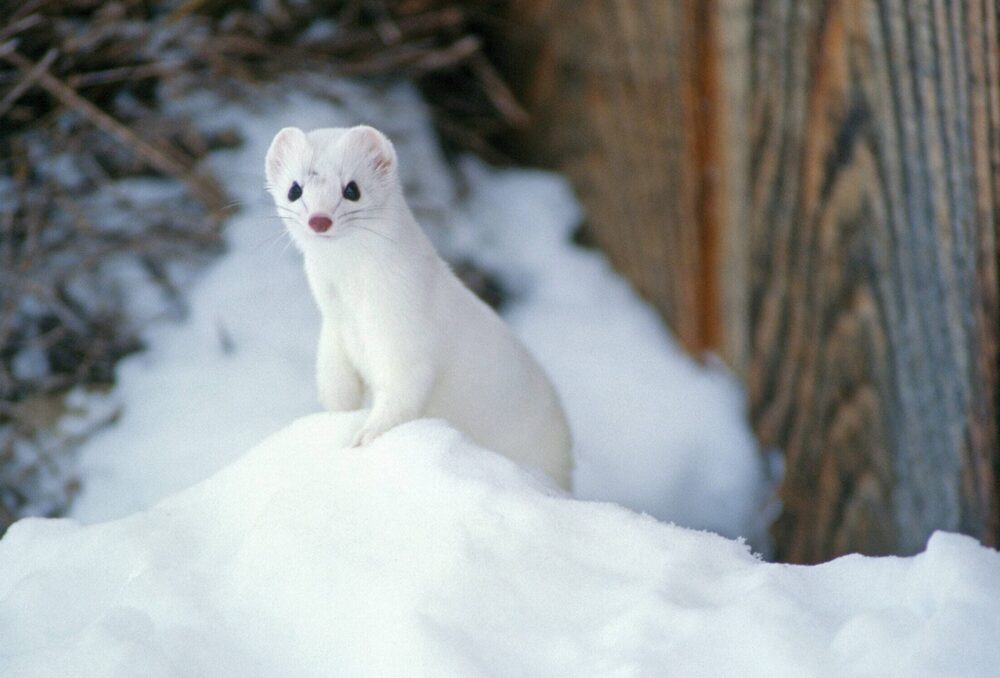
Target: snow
423	555
426	556
653	430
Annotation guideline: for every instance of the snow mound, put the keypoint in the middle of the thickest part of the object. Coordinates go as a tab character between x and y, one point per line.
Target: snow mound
423	555
652	429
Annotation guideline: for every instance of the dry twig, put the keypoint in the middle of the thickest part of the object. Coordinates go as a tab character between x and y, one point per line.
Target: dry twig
82	83
205	188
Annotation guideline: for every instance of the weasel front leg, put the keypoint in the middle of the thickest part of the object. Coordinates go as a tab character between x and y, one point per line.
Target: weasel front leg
340	387
400	399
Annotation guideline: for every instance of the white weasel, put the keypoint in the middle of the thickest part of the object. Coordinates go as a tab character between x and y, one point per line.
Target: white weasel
398	326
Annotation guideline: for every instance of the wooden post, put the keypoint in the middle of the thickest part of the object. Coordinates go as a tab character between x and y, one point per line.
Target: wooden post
810	188
619	100
873	162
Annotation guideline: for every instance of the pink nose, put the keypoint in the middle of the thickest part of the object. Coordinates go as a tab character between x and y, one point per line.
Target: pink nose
320	223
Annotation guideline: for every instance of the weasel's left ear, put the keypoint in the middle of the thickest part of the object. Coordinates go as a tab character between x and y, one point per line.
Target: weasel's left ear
288	143
376	147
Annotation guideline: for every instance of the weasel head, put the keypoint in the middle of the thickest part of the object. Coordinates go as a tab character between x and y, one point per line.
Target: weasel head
333	182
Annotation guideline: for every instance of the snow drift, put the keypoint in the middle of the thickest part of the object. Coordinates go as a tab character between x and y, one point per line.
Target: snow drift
424	555
653	430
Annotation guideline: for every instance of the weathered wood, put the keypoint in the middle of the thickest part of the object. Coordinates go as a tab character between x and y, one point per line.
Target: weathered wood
621	102
873	163
812	189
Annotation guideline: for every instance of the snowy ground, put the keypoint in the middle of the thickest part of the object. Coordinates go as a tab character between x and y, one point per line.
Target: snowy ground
425	556
654	431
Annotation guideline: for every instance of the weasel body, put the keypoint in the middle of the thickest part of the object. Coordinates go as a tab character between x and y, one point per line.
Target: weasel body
398	327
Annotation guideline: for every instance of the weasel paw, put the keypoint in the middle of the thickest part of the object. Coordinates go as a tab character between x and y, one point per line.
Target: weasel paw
365	436
376	426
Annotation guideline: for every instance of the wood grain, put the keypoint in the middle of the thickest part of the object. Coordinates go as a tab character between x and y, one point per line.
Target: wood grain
622	93
873	309
810	188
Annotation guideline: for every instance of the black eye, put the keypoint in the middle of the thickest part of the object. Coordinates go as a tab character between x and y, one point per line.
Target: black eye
352	192
295	192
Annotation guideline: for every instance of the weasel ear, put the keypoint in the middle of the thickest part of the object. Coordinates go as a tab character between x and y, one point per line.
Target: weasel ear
377	147
287	143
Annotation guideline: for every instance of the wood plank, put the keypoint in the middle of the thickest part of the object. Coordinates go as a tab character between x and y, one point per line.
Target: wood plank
622	102
811	188
873	309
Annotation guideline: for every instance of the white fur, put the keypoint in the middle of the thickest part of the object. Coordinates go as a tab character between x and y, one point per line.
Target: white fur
398	327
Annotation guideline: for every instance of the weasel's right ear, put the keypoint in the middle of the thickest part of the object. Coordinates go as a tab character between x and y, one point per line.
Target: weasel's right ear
376	147
288	143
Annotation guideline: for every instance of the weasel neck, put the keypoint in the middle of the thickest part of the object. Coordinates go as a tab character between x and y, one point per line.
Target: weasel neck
368	252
